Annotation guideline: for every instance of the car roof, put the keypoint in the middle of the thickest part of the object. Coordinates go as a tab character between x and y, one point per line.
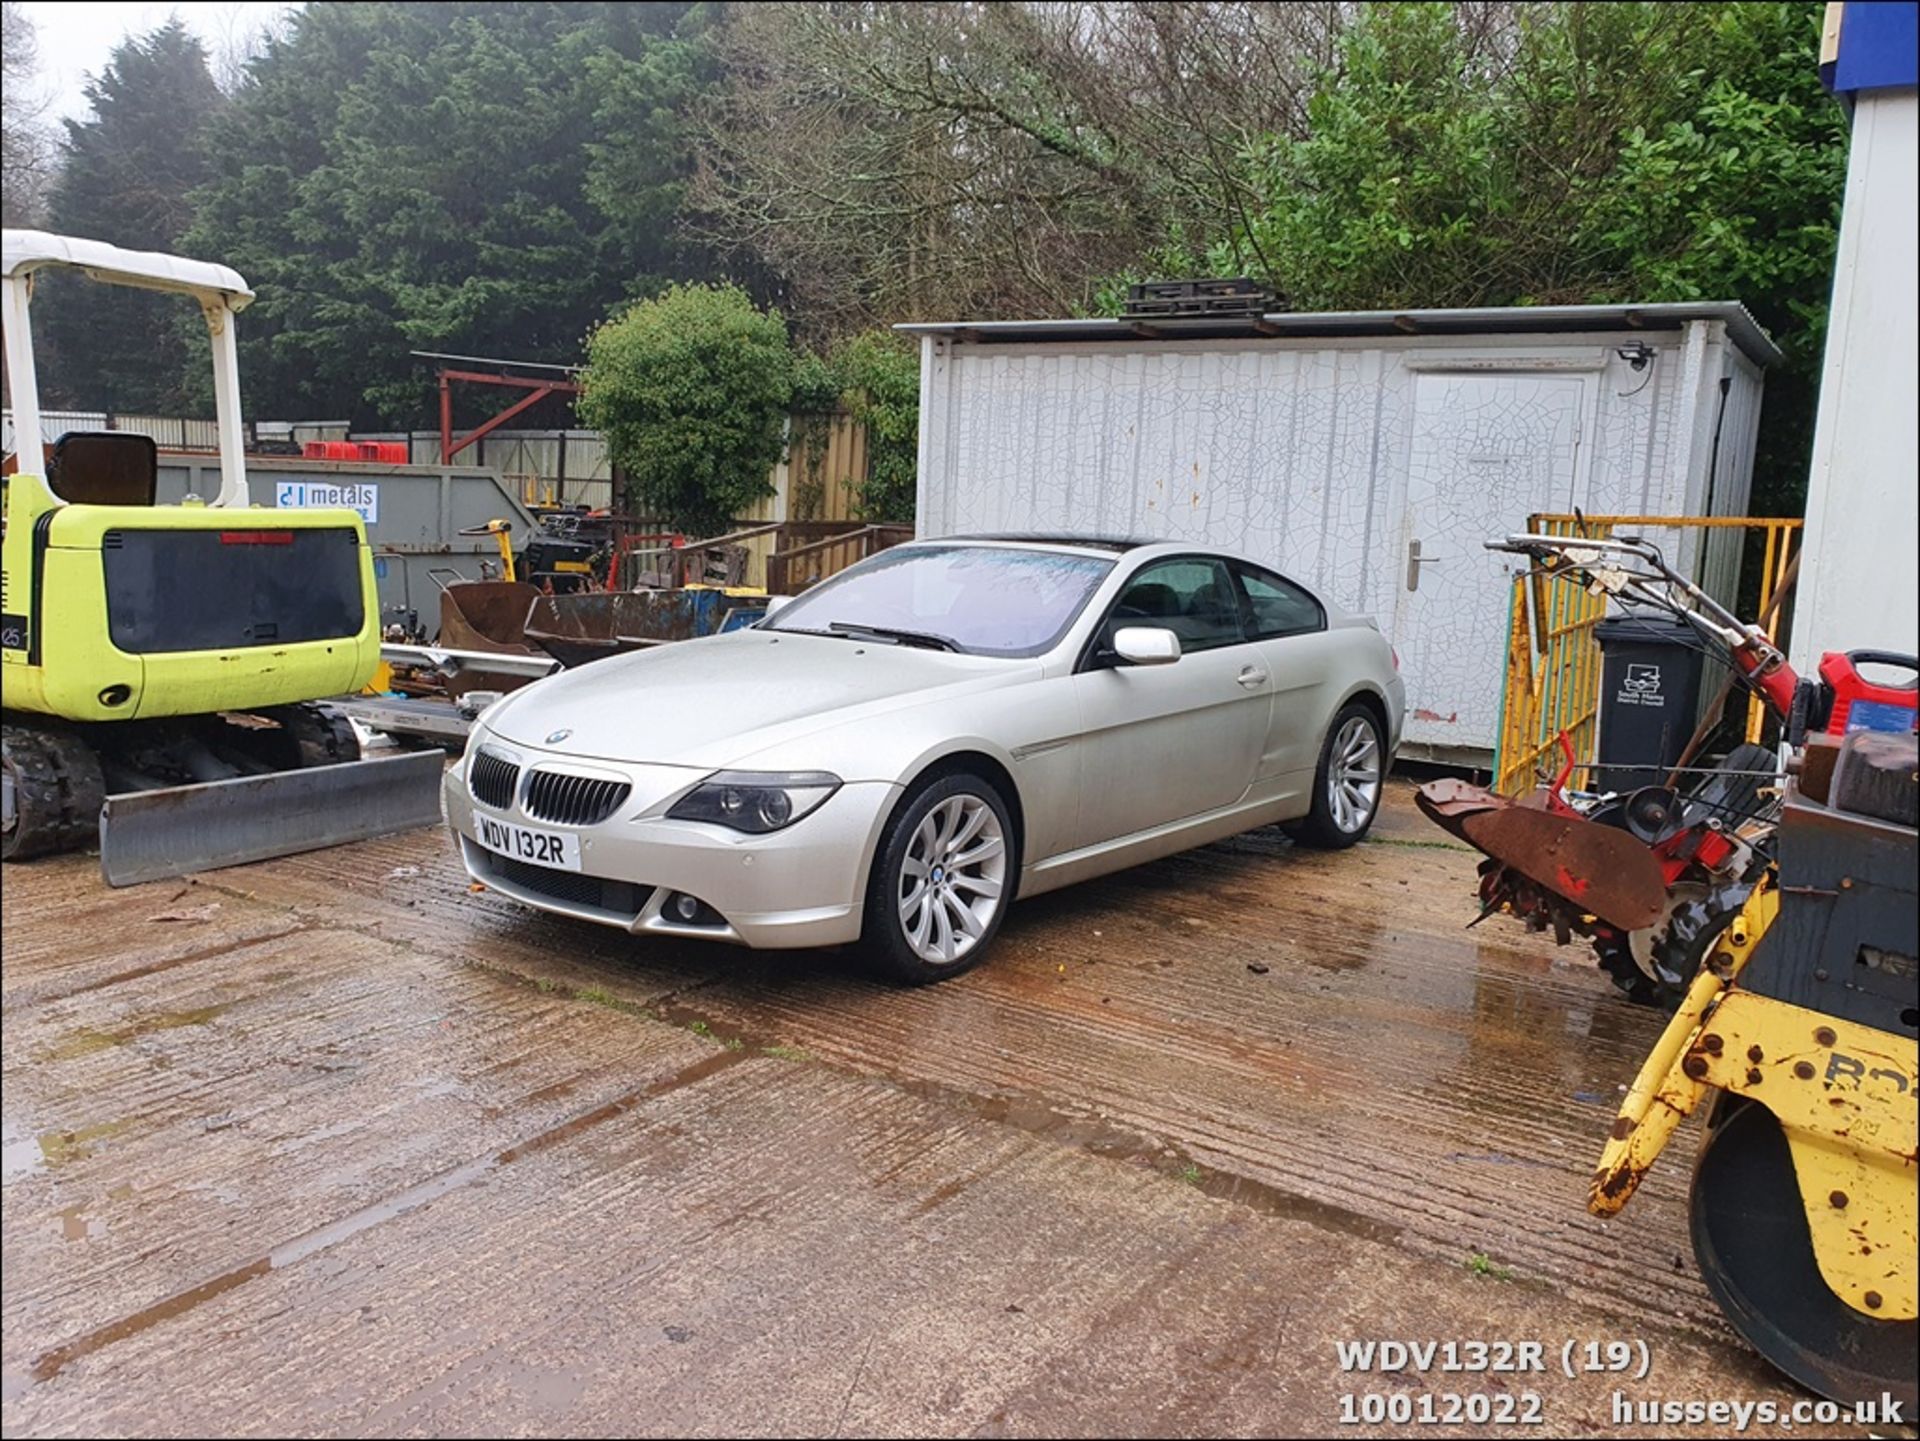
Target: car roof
1117	544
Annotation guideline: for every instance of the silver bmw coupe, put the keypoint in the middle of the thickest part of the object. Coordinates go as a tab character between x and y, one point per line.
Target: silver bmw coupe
898	753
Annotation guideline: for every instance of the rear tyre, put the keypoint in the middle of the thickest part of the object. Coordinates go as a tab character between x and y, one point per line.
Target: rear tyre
1616	962
50	792
941	881
1348	784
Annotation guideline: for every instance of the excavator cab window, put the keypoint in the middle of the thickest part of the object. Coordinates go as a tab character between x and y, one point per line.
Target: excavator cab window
104	467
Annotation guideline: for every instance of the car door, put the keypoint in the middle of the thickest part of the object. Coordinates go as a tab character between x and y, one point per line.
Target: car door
1160	743
1289	628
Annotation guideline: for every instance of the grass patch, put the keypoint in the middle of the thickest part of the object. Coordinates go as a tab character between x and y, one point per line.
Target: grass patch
1415	845
594	996
1480	1264
787	1053
1189	1174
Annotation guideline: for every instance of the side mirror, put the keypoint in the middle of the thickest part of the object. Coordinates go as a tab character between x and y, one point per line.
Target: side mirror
774	602
1146	645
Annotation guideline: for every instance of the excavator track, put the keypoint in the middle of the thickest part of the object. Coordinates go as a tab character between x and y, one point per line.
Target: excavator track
322	734
289	779
53	792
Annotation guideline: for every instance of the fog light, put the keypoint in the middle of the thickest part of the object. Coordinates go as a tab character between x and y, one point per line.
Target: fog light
681	909
115	695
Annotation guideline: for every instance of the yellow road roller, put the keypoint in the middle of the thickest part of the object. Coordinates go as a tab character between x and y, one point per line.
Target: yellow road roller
1799	1034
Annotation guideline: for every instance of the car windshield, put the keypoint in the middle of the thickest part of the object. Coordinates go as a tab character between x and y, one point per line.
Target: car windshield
983	600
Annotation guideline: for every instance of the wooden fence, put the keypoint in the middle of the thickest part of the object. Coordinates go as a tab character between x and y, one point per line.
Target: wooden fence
784	557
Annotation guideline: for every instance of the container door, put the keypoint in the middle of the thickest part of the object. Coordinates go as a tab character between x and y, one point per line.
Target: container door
1488	451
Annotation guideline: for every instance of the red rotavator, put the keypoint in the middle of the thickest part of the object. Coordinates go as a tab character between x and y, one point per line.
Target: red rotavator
1651	876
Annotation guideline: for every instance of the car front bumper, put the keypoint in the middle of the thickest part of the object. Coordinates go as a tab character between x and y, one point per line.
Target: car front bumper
801	886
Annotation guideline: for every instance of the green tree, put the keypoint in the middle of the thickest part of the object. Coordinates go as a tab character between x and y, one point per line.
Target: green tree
692	391
878	373
129	168
1434	174
483	179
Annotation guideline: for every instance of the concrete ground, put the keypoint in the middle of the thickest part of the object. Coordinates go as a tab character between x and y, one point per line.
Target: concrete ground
335	1145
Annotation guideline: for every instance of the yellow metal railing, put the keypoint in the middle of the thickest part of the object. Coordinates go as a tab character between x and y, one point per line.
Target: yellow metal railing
1553	658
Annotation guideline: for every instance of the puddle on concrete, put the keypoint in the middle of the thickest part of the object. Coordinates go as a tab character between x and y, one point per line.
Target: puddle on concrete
76	1225
1099	1137
83	1042
87	1040
50	1363
1092	1134
20	1153
317	1136
65	1147
153	968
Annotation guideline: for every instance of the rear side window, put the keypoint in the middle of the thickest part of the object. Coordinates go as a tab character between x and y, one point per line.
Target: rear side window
1276	606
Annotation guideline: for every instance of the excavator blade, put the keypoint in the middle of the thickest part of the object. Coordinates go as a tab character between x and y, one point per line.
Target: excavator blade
151	835
1596	869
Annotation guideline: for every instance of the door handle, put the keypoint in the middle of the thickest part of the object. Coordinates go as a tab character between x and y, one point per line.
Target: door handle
1414	561
1251	676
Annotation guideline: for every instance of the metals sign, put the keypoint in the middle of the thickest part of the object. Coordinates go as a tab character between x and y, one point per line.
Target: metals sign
315	495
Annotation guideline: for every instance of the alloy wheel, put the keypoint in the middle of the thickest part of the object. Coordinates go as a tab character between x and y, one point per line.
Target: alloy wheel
1353	775
952	879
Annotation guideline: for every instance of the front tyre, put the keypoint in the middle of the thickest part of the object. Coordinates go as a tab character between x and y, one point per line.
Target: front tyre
1348	783
941	881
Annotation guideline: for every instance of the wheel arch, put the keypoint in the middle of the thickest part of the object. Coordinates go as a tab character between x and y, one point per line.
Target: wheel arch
964	758
1367	695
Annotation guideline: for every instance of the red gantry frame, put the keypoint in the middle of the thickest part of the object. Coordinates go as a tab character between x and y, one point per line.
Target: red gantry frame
537	390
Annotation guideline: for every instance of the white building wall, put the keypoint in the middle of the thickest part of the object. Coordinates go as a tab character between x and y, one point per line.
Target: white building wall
1729	484
1295	449
1296	452
1857	587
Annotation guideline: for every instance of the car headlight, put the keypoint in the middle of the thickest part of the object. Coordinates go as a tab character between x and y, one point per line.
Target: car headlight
755	801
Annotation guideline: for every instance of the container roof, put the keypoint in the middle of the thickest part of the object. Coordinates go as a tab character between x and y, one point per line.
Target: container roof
29	250
1491	320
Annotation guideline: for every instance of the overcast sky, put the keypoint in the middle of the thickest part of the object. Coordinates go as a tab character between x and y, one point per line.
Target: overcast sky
76	38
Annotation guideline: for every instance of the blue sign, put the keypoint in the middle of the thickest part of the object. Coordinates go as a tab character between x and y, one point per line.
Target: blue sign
1878	49
317	495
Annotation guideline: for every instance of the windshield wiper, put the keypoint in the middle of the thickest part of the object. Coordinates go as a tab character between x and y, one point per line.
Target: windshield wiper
924	639
796	630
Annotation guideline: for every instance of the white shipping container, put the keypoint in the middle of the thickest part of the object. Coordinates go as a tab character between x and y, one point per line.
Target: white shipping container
1367	455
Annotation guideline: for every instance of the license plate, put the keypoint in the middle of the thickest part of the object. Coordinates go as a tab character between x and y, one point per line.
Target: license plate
540	848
